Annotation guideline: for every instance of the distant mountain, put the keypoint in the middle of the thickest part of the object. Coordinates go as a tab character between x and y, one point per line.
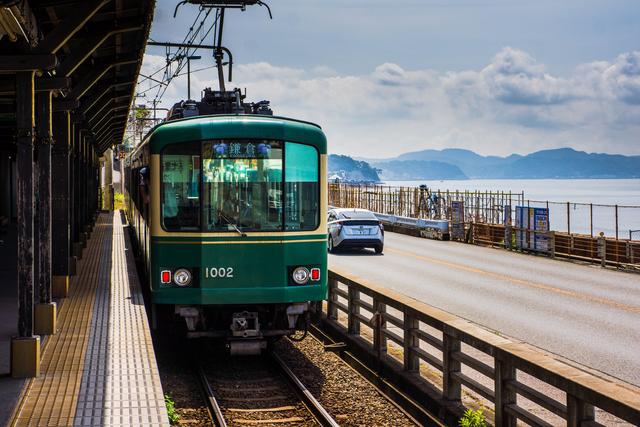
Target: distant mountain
556	163
403	170
348	169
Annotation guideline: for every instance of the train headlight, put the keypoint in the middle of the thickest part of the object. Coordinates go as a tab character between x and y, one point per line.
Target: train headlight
300	275
182	277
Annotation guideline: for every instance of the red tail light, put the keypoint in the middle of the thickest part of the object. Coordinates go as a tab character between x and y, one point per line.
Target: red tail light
315	274
165	276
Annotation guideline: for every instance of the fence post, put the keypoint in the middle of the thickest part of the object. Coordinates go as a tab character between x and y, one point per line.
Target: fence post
451	387
411	341
569	218
552	244
379	339
591	218
578	411
504	372
332	309
616	222
602	249
353	324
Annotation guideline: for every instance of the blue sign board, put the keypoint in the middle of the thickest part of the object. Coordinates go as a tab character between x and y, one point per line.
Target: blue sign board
532	225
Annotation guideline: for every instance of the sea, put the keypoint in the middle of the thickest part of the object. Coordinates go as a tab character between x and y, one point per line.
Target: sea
569	201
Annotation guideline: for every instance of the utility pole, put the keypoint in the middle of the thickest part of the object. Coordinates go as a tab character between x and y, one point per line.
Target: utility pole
189	58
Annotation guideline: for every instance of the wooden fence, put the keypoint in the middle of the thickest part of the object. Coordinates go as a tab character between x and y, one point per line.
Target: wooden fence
433	355
606	251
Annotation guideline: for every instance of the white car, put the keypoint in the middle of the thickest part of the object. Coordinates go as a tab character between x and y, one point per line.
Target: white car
354	228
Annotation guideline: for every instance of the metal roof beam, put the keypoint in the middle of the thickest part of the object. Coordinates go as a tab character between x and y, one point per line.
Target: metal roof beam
100	35
22	14
16	63
113	128
110	132
64	30
111	110
65	105
116	99
113	117
101	91
8	85
100	70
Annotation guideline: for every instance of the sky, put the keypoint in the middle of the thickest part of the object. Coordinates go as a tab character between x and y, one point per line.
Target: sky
387	77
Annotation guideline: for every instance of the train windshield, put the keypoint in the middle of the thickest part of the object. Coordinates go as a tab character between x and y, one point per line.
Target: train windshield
243	185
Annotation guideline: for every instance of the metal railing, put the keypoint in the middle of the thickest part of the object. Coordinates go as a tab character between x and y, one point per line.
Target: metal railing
421	202
442	359
487	207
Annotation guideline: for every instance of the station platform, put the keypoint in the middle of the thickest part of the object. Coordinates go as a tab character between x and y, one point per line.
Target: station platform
100	368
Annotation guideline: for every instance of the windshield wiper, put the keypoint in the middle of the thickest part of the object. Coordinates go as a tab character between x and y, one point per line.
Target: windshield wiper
235	227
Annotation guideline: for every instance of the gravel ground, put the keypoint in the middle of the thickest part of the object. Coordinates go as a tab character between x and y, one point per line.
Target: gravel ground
181	383
345	394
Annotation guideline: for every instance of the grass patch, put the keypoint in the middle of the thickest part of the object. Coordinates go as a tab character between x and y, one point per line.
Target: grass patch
473	418
171	409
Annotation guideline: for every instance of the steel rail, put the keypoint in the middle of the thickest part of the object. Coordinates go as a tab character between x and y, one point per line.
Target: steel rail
212	403
318	411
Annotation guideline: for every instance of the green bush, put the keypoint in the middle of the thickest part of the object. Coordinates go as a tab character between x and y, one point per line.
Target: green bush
171	409
473	418
118	201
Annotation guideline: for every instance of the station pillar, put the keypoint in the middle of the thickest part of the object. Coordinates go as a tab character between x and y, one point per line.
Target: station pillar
75	187
107	185
45	309
25	348
60	206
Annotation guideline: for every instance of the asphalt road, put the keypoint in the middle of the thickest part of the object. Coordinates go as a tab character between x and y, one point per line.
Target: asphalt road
584	313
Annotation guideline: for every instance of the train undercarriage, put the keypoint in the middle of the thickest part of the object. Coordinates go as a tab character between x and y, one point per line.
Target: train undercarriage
243	329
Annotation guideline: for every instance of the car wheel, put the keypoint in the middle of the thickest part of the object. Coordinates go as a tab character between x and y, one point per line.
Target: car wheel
378	249
330	245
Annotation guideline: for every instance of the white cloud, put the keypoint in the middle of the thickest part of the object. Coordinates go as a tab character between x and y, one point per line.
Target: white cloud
511	105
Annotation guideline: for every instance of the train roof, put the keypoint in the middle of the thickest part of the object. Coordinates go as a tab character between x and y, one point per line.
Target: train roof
235	126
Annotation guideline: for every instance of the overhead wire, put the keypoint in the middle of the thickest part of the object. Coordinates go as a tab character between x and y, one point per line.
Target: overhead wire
183	52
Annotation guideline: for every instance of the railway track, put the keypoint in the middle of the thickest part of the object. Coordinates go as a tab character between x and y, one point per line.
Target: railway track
259	391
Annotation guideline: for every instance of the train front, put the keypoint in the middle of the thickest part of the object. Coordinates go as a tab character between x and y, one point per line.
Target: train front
238	226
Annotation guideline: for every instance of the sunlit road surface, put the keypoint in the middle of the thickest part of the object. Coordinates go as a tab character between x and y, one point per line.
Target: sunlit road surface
584	313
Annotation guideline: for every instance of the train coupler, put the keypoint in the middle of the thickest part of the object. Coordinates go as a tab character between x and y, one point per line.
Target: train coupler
245	324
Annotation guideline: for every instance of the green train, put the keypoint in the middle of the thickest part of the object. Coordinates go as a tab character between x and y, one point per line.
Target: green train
228	211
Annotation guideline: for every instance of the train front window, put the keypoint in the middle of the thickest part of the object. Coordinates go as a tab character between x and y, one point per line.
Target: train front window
180	205
302	204
242	185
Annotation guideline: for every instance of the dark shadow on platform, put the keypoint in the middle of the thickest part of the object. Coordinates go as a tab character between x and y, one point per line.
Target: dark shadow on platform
10	388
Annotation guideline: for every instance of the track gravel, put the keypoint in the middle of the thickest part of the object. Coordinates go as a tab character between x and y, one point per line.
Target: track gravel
344	393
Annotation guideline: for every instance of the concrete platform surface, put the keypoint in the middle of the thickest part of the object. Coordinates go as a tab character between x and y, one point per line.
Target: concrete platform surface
100	368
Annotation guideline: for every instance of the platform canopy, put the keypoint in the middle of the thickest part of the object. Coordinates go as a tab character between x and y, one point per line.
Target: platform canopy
87	52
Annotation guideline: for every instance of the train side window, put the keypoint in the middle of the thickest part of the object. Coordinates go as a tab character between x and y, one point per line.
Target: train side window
180	187
302	187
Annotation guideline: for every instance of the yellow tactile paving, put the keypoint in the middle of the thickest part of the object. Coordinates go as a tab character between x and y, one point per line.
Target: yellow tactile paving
51	398
100	368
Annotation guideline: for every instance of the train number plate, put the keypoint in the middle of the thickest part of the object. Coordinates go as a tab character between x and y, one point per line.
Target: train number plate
218	272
